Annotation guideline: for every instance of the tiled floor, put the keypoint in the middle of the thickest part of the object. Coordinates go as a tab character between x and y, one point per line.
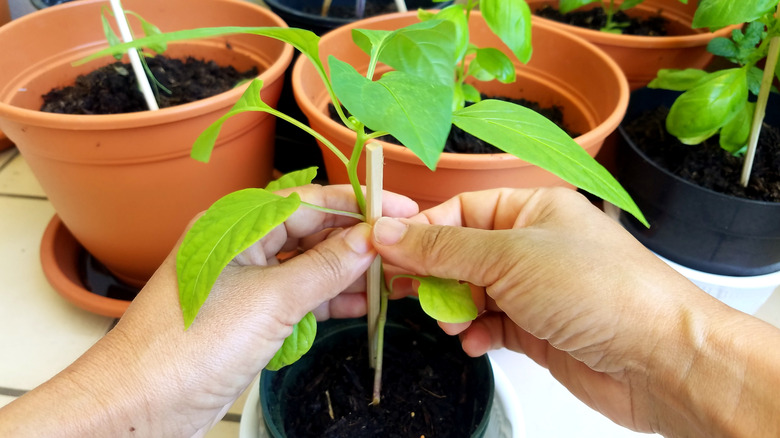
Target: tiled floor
40	332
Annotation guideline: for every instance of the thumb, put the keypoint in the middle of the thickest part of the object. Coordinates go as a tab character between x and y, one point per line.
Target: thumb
322	272
438	250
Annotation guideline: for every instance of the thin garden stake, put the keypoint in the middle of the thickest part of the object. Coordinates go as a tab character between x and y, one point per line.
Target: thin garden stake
135	58
325	7
401	5
374	163
758	115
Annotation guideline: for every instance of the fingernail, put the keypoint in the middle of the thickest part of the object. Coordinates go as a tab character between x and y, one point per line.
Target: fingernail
389	231
357	238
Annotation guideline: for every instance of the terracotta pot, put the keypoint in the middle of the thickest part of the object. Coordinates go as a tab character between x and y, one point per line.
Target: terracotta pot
124	184
593	101
5	17
641	57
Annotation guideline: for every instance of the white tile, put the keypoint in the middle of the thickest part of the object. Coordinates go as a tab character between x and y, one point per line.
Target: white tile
16	178
770	311
41	332
224	429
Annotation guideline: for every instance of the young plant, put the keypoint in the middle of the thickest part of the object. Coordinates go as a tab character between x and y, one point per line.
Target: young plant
417	102
610	9
720	102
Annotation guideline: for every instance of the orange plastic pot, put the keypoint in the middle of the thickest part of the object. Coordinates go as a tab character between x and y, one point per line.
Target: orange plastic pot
5	17
641	57
564	71
124	184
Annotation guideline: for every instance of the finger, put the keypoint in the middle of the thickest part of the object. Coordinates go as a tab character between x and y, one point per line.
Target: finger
321	273
306	221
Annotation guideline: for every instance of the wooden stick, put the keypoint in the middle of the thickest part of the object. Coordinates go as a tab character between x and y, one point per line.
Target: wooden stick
374	164
401	5
135	58
325	7
760	111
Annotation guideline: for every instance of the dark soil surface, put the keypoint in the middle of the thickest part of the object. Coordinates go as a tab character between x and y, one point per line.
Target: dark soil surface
461	142
371	9
707	164
596	19
113	89
416	401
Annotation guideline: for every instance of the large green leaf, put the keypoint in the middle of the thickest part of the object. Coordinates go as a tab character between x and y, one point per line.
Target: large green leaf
295	178
678	80
418	116
455	14
295	345
531	137
511	21
229	226
566	6
424	49
701	111
722	13
734	134
446	300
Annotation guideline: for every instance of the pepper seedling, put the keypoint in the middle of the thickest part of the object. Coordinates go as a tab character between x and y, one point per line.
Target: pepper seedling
720	102
610	9
417	102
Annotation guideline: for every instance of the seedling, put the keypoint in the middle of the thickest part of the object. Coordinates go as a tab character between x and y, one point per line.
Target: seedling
611	26
417	103
719	102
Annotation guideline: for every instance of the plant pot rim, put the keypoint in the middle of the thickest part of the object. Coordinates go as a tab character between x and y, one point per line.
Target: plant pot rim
59	259
140	118
474	161
642	41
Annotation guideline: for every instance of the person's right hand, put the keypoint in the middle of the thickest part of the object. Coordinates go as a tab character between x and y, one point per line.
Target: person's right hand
557	279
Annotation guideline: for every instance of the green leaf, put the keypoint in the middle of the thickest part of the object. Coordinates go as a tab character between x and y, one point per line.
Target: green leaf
678	80
470	94
734	135
457	16
531	137
701	111
754	77
424	49
293	179
720	13
111	36
720	46
492	64
150	29
418	115
249	101
566	6
511	21
231	225
295	345
446	300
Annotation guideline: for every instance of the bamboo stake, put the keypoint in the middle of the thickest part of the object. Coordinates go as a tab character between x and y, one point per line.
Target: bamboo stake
760	111
325	7
401	5
374	163
135	58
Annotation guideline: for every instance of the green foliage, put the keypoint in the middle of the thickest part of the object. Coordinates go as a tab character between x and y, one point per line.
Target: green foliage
719	102
445	300
295	345
417	102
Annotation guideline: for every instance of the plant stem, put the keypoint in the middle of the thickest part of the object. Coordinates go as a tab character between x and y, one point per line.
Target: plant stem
760	111
135	58
380	344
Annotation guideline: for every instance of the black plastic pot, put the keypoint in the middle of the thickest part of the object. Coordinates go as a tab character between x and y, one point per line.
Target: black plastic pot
405	319
298	13
690	225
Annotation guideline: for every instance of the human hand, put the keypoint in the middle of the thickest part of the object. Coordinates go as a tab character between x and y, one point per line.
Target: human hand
150	377
558	280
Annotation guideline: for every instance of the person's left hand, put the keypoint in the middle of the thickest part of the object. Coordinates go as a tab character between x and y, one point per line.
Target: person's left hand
190	378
